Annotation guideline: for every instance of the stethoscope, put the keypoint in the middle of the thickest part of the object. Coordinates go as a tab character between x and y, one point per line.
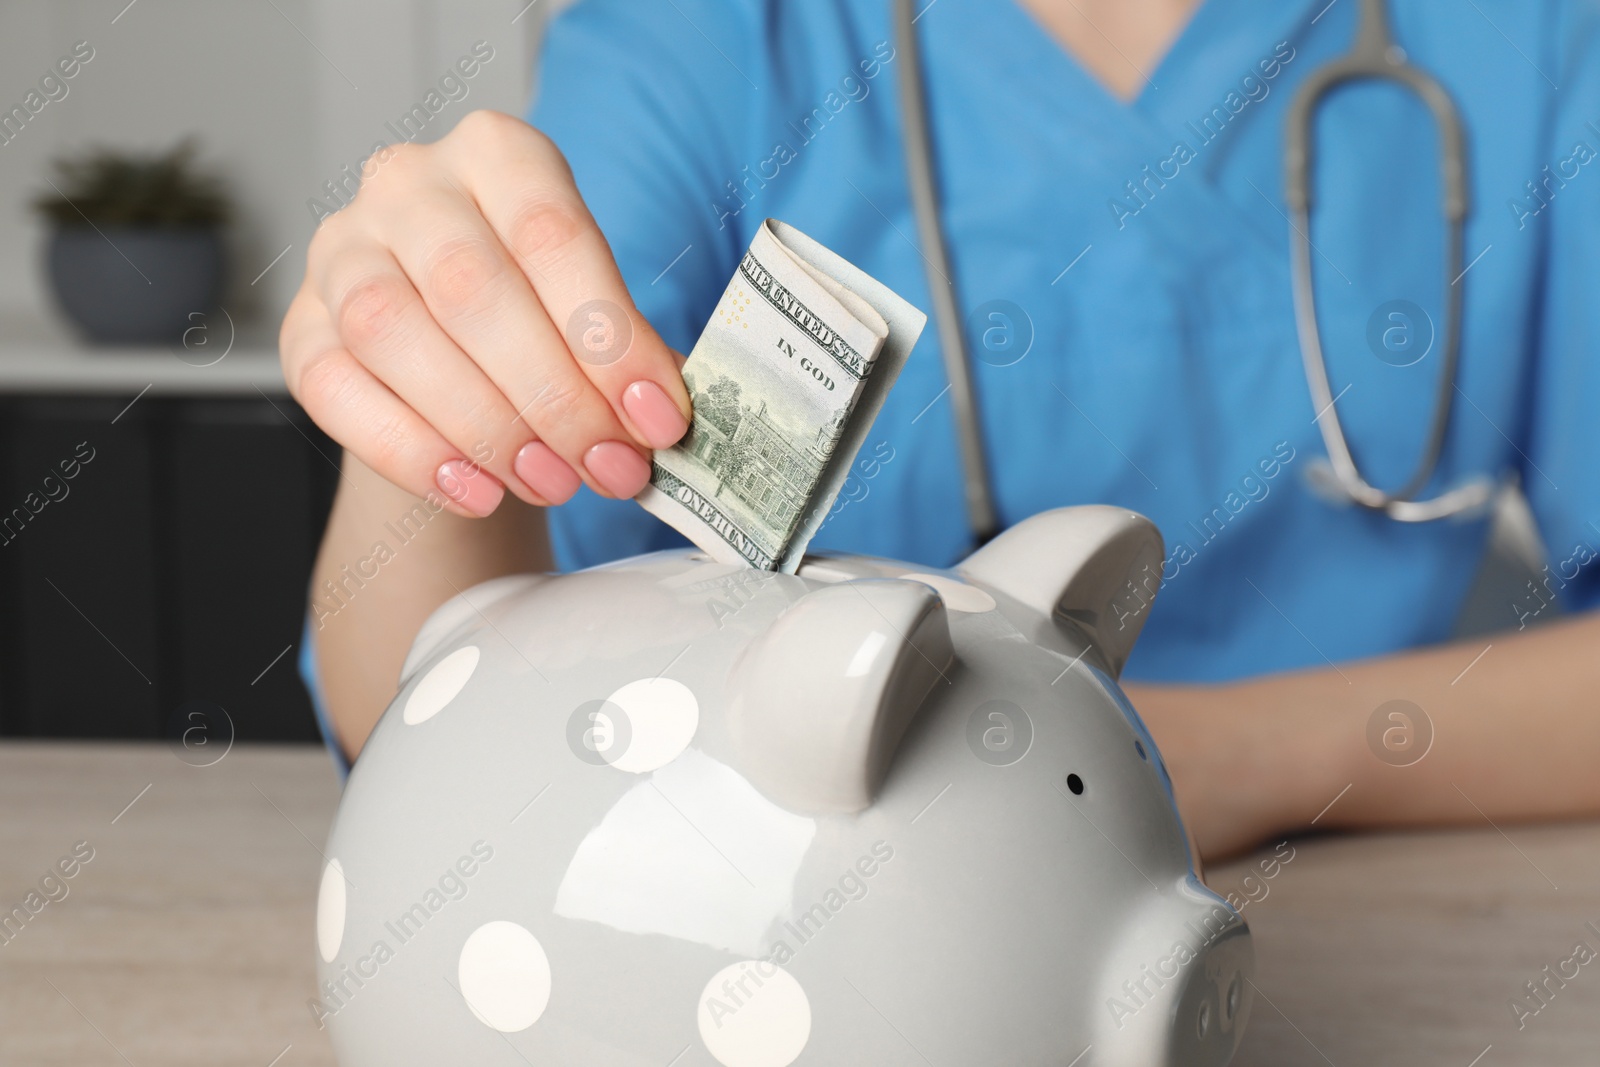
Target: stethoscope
1375	56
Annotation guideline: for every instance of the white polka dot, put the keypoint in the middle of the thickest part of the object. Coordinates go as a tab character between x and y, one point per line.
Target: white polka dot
662	718
440	685
504	976
957	596
754	1014
330	911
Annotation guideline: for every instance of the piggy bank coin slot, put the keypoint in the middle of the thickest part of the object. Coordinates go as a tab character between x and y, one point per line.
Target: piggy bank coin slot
819	571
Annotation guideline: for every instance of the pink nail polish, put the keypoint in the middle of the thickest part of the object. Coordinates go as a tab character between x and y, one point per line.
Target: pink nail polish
470	486
657	417
546	473
619	469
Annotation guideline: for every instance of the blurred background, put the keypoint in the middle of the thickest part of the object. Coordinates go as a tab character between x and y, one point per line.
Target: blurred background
163	164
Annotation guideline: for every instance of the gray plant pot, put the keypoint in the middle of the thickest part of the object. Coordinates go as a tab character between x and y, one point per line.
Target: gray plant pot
135	285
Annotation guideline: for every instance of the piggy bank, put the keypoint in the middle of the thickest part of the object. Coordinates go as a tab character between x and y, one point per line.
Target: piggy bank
674	812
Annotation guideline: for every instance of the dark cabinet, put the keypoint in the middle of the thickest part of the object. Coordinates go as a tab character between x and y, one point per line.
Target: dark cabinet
155	556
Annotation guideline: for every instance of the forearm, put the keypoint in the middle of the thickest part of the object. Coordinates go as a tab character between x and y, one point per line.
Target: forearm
387	560
1516	734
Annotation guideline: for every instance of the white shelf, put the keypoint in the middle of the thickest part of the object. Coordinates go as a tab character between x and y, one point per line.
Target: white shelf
40	358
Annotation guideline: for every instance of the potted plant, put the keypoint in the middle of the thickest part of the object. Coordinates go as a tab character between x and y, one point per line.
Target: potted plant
136	246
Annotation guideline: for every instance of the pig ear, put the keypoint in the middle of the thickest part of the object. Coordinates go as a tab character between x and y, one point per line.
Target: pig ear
1097	566
820	699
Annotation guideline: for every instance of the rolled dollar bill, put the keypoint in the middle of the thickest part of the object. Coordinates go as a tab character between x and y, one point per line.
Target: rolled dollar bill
785	381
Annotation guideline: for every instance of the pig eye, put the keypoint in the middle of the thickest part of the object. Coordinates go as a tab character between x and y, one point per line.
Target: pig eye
1075	784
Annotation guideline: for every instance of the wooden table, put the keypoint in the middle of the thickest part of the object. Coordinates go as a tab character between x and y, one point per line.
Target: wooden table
187	939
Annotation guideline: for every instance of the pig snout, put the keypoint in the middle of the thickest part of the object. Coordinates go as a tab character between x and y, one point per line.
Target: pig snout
1214	1002
1179	992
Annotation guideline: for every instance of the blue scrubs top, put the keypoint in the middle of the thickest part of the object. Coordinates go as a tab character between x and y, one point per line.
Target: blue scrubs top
1141	252
1124	271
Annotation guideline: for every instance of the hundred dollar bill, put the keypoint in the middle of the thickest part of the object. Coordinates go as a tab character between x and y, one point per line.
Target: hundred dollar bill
785	381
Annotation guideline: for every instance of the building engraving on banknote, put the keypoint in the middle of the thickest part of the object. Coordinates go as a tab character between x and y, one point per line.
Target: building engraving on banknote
768	468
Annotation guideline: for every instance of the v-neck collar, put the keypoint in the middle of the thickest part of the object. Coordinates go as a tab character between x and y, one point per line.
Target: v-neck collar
1222	44
1219	45
1090	83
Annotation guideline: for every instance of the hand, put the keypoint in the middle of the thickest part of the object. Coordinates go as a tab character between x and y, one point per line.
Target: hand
445	334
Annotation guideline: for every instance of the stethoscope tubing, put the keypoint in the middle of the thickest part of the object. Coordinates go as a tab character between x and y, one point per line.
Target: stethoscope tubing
1374	56
941	287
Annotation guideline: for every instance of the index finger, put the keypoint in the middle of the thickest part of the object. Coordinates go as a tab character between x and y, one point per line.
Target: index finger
523	187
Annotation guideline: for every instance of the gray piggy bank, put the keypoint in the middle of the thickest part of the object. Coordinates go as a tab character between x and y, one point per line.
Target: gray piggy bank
674	812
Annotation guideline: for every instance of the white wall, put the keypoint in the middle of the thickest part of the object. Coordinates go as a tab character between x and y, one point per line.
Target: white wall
281	93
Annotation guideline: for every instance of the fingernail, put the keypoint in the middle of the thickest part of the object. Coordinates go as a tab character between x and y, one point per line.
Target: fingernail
546	473
617	467
657	417
470	486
